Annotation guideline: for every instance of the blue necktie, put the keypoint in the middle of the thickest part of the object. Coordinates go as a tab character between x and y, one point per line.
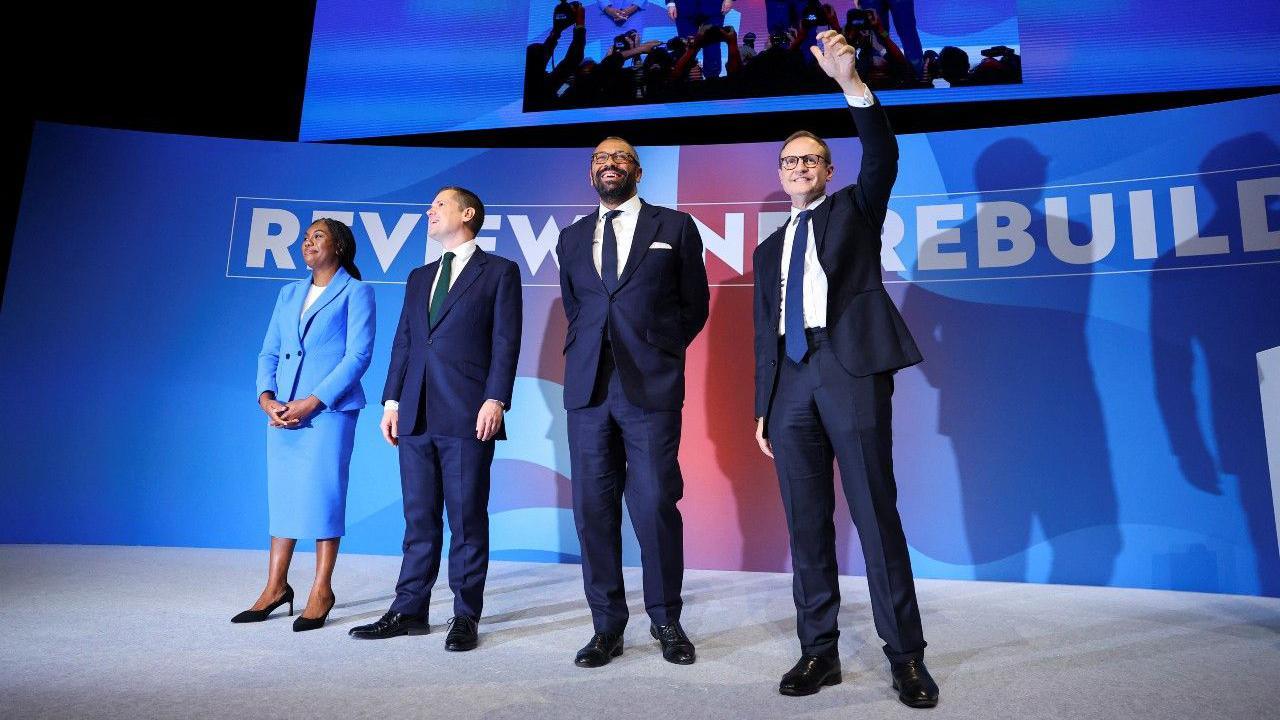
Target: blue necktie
609	252
793	322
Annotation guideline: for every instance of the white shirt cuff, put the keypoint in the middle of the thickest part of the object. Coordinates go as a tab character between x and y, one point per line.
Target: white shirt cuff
867	99
391	405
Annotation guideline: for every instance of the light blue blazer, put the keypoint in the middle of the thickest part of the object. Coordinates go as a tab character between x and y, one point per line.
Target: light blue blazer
324	352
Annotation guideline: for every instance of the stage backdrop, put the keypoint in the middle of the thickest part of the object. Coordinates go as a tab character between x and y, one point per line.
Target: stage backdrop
1089	297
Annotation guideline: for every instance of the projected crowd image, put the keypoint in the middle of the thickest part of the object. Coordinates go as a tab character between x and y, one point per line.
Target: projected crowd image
627	52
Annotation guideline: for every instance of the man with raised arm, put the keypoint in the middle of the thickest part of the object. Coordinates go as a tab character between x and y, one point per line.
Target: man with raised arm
827	342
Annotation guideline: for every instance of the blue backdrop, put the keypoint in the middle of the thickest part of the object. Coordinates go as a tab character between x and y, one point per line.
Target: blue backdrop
1089	297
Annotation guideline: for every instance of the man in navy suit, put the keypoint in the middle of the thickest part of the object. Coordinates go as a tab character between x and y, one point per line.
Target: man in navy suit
453	365
691	16
635	294
827	341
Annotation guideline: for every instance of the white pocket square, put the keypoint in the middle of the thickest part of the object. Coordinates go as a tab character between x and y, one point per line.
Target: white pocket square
660	246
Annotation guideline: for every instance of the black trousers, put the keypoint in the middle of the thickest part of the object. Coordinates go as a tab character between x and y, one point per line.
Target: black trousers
617	450
821	413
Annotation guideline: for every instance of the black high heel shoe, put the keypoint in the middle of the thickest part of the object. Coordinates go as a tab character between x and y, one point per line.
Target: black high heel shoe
249	616
303	623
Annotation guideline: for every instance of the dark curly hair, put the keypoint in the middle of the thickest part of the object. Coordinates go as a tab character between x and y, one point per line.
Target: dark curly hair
344	244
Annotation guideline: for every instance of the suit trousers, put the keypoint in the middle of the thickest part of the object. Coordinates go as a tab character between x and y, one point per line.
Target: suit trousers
619	450
439	473
691	16
821	413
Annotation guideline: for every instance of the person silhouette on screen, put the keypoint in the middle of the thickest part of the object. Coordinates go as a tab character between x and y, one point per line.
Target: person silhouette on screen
1017	395
1226	323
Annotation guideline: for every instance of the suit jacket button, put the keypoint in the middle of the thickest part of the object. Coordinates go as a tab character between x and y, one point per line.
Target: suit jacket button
773	363
287	356
299	353
428	341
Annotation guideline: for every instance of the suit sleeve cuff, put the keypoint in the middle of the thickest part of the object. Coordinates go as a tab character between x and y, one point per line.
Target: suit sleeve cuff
865	100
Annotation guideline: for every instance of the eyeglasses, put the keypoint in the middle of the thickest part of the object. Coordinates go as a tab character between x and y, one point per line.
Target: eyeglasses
789	162
618	157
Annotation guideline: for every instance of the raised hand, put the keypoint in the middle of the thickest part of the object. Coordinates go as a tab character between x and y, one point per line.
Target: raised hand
707	35
835	56
563	18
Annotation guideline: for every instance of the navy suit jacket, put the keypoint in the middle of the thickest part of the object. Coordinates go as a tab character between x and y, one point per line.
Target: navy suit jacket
468	357
658	307
866	331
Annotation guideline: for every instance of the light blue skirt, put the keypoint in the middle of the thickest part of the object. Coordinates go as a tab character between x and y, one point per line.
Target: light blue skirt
307	470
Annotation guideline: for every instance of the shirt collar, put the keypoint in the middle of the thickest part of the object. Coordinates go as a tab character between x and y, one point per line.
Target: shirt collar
630	207
463	252
796	211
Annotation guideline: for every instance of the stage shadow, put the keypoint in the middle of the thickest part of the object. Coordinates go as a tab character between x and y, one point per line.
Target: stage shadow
729	416
356	603
1202	323
1018	397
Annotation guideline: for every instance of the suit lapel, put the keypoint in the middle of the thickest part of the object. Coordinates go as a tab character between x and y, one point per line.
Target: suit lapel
423	306
331	291
580	246
771	274
647	225
474	267
819	219
293	309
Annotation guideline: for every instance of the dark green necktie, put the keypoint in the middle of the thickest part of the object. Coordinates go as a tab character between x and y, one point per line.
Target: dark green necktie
442	287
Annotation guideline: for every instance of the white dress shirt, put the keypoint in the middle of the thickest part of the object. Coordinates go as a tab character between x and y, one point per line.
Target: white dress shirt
865	100
624	228
815	278
461	255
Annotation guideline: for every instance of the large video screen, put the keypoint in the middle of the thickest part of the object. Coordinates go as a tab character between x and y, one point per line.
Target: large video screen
399	67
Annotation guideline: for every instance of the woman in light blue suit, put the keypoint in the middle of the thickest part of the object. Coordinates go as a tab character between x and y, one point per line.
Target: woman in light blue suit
317	348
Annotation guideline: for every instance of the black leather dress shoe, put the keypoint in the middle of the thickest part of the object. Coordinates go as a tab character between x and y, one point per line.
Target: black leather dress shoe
915	686
676	646
462	635
810	675
390	625
602	648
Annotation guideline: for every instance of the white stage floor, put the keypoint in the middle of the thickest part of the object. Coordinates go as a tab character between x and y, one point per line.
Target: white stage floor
127	632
